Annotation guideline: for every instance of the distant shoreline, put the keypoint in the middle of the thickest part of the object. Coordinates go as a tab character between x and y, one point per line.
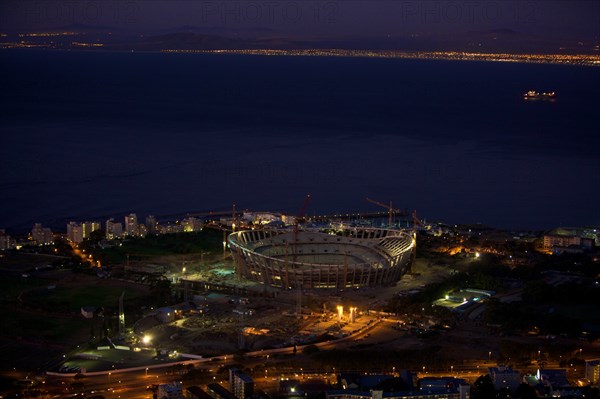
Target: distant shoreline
550	59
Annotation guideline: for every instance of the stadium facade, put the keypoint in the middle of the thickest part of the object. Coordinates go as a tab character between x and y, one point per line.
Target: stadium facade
323	258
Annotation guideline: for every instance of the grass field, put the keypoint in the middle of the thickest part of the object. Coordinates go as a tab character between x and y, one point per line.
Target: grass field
39	322
162	245
11	287
66	298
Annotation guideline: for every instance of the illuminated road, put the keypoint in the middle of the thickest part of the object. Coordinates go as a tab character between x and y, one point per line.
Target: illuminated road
133	384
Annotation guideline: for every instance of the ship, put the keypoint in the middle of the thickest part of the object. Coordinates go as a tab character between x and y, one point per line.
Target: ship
533	95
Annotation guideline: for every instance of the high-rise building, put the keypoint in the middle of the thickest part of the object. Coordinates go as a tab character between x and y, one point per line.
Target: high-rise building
6	241
131	225
151	224
240	384
142	230
89	227
42	235
75	232
113	229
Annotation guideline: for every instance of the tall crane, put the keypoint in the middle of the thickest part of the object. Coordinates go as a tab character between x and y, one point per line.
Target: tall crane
390	209
416	222
301	216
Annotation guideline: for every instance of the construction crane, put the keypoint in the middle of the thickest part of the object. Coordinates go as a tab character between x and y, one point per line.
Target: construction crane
416	222
390	209
301	216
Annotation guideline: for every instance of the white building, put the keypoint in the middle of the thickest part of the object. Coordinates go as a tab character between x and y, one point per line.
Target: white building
261	217
75	232
42	235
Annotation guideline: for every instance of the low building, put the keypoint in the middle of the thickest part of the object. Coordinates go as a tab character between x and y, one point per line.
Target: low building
505	377
195	392
192	224
461	393
169	391
570	240
592	371
428	388
553	377
555	240
217	391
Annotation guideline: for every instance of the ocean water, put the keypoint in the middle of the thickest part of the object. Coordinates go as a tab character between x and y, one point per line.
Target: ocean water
88	135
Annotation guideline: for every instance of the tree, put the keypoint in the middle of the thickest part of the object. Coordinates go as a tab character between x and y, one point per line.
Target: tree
525	391
483	388
310	349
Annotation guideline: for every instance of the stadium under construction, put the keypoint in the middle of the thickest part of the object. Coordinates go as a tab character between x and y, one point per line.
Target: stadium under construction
323	258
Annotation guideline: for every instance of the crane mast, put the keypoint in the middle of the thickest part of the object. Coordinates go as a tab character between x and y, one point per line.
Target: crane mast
301	216
390	209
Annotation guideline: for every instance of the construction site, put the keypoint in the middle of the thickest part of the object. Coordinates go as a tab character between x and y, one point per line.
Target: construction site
272	287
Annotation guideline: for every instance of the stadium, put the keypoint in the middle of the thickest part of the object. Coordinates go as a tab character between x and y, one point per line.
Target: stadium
323	258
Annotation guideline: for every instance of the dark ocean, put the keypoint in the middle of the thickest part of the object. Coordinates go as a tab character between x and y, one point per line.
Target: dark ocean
90	135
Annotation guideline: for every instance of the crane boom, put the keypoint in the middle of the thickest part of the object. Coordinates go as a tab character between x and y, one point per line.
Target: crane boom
304	206
390	209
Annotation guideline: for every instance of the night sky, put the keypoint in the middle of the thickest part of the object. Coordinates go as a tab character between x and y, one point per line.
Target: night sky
310	19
